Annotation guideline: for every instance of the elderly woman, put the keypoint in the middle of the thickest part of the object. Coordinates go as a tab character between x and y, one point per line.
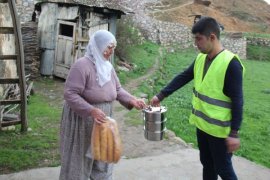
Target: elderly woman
91	87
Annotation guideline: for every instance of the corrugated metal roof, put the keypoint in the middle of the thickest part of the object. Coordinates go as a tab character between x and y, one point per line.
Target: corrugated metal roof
110	4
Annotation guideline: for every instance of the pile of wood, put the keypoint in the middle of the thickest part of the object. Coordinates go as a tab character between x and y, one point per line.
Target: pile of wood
125	64
31	49
12	92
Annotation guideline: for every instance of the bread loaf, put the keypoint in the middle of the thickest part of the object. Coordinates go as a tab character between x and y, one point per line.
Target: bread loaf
103	141
110	143
96	142
106	142
117	144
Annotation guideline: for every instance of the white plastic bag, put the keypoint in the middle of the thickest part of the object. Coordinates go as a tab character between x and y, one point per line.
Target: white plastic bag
106	143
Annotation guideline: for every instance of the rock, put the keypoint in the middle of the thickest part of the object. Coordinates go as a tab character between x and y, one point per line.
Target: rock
143	95
181	141
8	128
122	68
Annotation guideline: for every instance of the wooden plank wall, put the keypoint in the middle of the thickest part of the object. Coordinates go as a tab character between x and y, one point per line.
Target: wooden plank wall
47	34
69	51
7	45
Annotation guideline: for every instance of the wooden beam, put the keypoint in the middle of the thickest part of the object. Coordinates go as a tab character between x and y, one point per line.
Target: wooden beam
81	39
10	117
10	123
97	23
8	57
6	102
9	80
6	30
3	1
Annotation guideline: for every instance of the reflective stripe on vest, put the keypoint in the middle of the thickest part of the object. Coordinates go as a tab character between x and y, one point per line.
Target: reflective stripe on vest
212	100
211	120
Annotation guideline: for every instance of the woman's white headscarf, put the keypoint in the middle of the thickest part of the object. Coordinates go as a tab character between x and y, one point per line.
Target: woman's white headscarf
98	43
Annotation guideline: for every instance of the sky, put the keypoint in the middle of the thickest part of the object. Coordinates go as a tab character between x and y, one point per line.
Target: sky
268	1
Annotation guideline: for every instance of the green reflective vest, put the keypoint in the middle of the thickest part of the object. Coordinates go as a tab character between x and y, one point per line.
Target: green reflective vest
211	111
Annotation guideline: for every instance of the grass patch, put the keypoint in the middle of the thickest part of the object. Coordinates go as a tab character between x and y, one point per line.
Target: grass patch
142	56
36	148
255	128
259	53
256	35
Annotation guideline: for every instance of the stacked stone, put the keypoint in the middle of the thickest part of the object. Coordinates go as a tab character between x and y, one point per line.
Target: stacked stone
31	49
25	9
258	41
236	45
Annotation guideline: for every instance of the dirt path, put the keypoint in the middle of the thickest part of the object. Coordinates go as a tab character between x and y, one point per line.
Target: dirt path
133	84
135	145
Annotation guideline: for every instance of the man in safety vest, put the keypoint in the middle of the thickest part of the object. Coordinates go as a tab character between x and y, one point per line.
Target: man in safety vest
217	103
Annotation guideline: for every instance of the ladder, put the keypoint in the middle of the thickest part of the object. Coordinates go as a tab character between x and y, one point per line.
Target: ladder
18	57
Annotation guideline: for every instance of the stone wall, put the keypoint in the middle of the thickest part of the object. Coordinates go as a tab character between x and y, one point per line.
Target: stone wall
236	44
164	33
258	41
31	48
171	34
25	9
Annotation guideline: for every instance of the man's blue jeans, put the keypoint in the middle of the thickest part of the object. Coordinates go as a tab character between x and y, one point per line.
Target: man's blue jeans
214	157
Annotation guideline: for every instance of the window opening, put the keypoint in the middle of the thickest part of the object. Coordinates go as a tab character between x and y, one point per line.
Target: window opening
66	30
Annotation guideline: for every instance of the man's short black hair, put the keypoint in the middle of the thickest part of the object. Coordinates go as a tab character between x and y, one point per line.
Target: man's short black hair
206	26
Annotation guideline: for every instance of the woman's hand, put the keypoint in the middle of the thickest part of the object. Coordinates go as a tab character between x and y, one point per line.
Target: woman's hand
98	115
138	103
155	101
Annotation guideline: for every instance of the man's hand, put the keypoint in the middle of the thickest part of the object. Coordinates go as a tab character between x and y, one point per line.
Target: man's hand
232	144
155	101
138	103
98	115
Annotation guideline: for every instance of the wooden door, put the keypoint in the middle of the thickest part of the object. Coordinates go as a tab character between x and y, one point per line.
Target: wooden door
65	50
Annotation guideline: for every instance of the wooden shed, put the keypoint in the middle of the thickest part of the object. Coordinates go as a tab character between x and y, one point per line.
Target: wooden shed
64	27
